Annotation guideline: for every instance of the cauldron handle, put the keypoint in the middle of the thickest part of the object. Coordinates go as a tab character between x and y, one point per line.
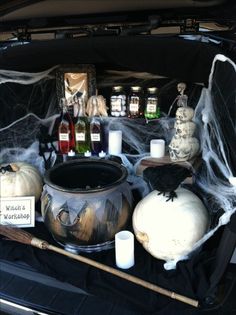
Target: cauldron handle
66	215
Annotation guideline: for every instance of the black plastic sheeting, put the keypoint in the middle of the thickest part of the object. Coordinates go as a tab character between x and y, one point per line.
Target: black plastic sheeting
224	96
173	57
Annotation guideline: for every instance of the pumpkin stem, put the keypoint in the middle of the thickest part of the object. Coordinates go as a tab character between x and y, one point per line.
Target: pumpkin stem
142	237
14	167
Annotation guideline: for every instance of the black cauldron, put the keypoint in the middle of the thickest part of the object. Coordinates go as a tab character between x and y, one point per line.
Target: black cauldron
85	202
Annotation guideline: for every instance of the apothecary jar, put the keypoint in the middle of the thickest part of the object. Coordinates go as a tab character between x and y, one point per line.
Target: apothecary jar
85	202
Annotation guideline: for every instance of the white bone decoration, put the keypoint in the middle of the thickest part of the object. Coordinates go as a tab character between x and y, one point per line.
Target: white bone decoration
183	145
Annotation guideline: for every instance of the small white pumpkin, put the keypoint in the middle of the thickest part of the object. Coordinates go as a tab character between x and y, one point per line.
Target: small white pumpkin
23	180
169	230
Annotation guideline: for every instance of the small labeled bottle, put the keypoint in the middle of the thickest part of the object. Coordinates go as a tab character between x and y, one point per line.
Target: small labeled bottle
96	131
135	102
66	140
82	139
152	109
118	102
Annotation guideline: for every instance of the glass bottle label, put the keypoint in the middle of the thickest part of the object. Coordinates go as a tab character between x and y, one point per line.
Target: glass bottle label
134	104
64	137
151	108
95	137
133	107
80	136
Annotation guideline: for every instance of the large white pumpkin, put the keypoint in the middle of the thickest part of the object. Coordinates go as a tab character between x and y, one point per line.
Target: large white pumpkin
23	180
168	230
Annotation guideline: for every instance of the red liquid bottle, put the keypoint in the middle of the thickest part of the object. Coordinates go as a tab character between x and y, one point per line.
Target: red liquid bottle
66	138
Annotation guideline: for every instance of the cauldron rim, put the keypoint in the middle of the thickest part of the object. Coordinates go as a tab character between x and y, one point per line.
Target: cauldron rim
86	162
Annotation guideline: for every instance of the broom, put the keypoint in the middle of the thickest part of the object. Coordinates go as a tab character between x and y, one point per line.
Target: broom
24	237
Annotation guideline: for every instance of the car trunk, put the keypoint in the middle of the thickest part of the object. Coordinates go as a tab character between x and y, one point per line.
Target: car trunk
30	105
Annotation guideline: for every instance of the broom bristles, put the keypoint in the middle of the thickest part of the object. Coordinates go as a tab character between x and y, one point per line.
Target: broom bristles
16	234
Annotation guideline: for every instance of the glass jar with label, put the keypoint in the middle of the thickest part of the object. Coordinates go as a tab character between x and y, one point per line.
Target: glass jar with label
135	102
152	109
118	102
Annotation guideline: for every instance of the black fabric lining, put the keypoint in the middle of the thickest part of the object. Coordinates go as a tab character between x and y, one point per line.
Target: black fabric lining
167	56
190	278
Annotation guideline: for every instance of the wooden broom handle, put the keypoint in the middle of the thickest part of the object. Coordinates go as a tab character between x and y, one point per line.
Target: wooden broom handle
125	276
24	237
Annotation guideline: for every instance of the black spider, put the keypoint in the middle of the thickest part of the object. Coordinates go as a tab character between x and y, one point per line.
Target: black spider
5	169
166	178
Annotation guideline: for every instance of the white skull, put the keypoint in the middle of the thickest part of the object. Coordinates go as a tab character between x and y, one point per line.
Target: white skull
181	87
184	113
184	129
183	149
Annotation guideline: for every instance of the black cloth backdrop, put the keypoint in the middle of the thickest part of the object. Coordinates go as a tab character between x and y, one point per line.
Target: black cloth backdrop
173	57
224	96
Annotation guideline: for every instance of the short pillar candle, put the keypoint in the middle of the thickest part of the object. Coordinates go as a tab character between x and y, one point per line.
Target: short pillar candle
115	142
157	148
124	249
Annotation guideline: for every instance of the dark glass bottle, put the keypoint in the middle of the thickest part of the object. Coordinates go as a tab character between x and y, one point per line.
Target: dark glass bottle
152	109
96	131
135	102
66	139
82	139
118	102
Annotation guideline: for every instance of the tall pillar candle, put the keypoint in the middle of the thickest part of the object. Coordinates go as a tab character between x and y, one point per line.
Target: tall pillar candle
157	148
115	142
124	249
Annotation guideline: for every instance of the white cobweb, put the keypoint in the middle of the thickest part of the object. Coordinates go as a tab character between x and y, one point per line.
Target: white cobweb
38	106
19	125
217	179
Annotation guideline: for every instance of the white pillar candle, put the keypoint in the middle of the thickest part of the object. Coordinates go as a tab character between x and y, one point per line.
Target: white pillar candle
124	249
115	142
157	148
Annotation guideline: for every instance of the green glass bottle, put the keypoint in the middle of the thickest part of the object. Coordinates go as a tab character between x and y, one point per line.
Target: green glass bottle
152	109
82	139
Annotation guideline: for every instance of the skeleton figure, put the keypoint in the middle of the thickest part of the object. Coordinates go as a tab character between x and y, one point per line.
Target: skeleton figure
184	146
